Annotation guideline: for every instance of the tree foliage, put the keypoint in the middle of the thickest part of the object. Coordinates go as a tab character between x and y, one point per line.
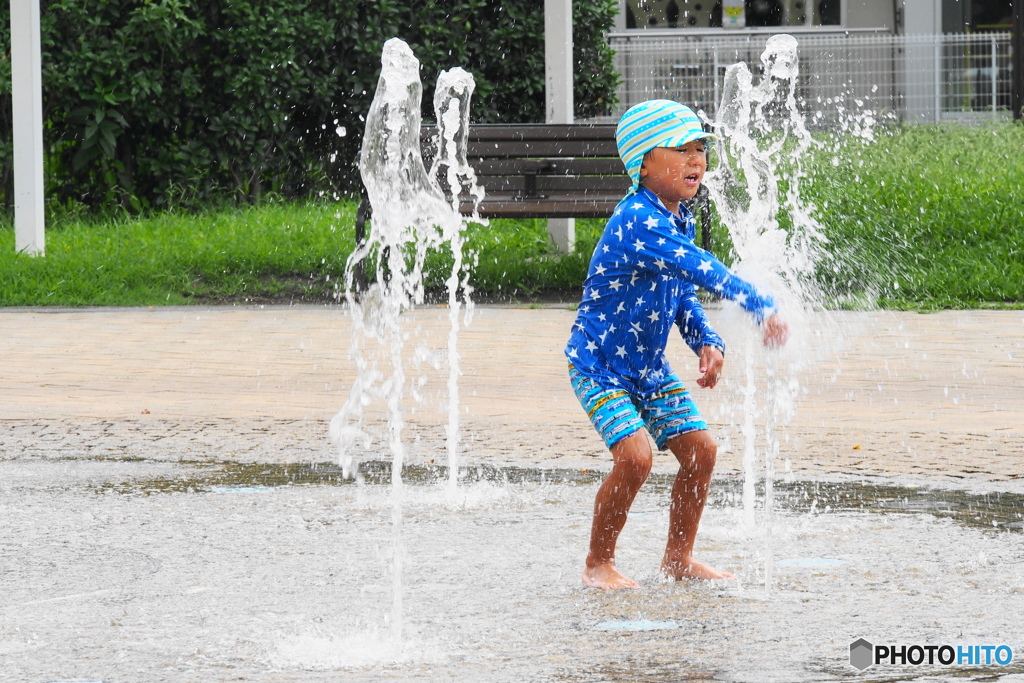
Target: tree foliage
170	102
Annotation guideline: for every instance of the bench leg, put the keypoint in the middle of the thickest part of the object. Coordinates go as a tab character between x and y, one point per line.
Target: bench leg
362	213
562	232
703	204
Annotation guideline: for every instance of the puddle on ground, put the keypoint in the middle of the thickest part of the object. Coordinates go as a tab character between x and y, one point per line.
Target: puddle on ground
280	571
996	510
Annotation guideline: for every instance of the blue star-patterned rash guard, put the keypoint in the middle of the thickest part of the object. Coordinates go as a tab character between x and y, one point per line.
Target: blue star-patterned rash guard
643	279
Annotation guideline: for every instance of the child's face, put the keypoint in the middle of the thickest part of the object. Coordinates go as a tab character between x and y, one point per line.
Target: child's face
674	173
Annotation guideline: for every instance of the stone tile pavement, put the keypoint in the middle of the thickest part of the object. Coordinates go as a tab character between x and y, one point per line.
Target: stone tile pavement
939	396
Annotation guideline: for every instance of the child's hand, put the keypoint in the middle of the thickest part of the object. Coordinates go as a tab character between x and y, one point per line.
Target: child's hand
711	361
776	331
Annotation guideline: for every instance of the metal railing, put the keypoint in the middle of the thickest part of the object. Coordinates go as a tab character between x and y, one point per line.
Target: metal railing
915	78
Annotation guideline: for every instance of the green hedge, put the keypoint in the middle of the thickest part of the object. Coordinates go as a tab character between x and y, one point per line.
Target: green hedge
172	102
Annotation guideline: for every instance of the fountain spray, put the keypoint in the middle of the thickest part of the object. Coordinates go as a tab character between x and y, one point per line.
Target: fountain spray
765	140
411	217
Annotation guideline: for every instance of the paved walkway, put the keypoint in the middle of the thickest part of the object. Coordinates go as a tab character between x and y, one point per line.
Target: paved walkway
938	395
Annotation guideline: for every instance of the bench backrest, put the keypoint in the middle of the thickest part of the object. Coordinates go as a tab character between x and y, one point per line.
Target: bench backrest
544	170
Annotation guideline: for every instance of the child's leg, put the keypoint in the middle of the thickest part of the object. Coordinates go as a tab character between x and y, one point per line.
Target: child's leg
632	463
696	452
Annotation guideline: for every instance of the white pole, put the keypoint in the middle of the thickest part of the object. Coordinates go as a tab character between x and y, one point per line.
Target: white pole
620	17
994	72
558	60
558	94
27	99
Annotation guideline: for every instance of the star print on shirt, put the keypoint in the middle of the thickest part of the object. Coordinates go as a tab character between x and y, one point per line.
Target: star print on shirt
621	275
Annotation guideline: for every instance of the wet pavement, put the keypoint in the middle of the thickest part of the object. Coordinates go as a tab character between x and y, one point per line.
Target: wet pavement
173	511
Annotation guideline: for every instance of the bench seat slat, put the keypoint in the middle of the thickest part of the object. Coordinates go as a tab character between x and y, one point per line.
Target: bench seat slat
541	148
592	207
562	185
569	166
532	131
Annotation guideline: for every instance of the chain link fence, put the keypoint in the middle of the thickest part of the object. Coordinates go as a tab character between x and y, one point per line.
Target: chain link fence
913	78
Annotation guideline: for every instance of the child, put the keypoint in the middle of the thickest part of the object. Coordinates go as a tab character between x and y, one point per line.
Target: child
642	280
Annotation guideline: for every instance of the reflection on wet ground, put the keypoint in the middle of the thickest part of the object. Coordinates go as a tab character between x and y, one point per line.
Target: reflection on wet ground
996	510
141	570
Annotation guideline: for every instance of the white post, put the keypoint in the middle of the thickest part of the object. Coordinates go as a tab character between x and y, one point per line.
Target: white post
558	94
27	99
620	18
994	72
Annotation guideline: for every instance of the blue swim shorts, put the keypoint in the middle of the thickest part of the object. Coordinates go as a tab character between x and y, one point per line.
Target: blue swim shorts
615	414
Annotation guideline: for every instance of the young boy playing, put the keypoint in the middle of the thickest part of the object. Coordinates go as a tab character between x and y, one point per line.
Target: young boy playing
642	280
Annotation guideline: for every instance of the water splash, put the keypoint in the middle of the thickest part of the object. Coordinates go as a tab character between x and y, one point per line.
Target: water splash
765	142
451	107
411	217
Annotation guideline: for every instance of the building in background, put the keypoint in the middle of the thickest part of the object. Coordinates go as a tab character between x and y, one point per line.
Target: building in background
913	60
952	16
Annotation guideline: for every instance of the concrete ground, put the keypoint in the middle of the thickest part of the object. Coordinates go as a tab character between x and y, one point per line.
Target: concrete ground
139	543
939	396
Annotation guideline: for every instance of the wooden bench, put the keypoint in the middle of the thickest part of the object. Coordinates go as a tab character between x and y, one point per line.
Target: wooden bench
545	171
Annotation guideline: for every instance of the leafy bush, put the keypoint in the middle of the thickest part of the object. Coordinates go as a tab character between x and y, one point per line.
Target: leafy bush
169	102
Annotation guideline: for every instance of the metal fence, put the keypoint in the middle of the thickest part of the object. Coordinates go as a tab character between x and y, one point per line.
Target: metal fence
915	78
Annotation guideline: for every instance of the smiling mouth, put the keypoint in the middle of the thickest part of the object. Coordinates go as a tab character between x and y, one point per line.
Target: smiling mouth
692	178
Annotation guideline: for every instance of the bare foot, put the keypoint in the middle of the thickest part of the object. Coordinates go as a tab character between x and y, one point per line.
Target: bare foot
608	577
692	569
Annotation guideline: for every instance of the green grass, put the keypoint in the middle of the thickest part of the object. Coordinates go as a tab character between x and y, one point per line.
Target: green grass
925	217
276	252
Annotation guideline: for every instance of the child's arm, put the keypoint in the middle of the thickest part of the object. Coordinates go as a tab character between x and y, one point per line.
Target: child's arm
694	325
685	260
698	334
